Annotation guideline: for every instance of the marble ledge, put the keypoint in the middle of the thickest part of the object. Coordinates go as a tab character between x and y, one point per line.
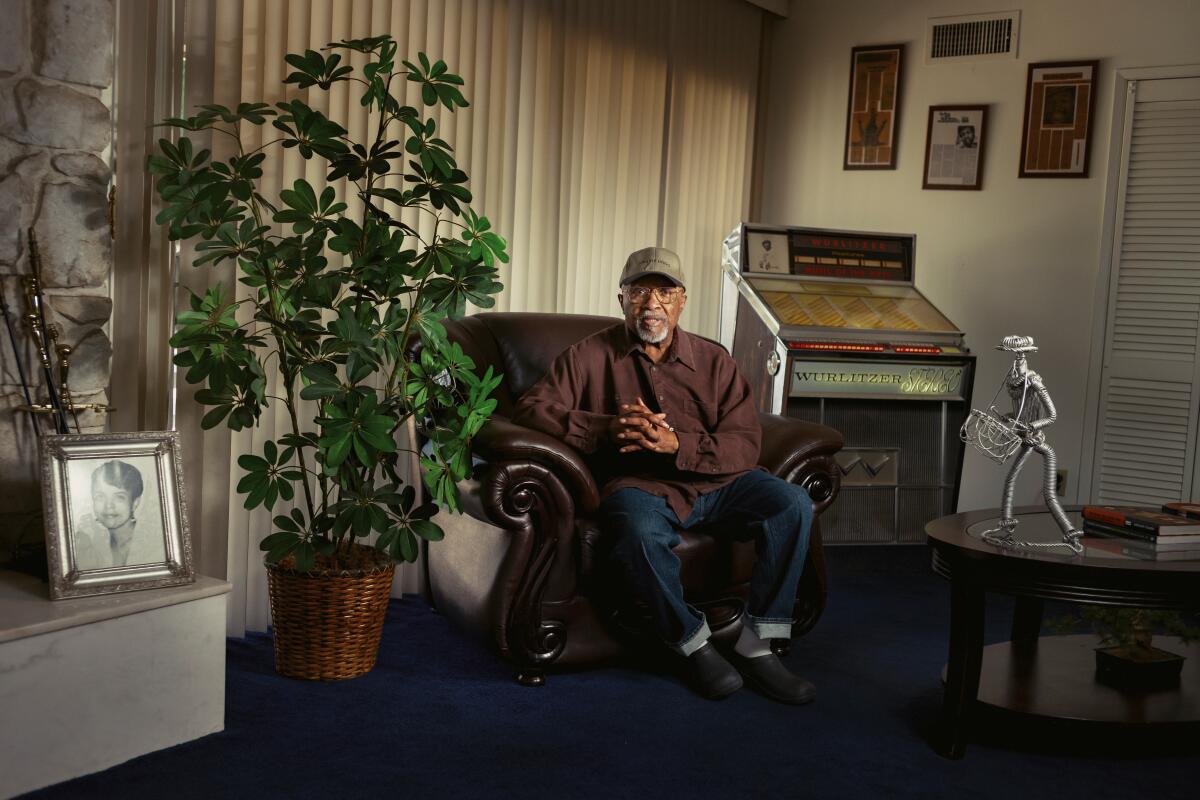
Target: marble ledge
27	610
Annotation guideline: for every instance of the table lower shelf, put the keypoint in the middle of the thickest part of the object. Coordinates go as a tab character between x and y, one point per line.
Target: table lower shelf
1057	679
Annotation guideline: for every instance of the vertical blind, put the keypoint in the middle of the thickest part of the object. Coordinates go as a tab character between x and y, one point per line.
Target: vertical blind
595	128
1145	449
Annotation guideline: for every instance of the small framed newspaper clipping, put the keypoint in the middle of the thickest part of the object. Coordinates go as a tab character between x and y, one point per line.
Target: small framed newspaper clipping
115	515
954	145
873	110
1060	98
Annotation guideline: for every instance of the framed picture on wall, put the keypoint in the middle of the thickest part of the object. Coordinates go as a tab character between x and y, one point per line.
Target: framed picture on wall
873	110
114	511
1060	100
954	142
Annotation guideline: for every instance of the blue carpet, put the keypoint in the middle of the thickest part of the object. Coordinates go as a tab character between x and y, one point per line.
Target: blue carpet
441	716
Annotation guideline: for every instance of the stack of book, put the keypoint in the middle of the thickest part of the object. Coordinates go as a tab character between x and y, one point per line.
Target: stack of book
1169	533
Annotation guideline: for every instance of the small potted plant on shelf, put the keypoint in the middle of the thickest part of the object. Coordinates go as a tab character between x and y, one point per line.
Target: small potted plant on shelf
1126	657
333	299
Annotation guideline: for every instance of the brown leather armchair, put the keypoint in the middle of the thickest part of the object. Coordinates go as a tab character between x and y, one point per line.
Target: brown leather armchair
518	566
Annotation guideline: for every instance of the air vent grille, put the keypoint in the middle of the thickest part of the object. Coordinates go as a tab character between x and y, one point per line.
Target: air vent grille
975	36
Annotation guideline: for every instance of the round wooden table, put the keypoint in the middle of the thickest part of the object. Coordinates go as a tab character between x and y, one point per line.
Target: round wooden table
1049	676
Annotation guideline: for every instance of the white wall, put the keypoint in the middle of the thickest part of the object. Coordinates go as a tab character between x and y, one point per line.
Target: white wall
1020	256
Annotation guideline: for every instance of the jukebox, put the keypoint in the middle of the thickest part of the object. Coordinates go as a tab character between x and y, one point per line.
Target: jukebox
827	326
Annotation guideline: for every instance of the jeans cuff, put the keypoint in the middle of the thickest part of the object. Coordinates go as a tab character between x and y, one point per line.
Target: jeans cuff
770	627
694	641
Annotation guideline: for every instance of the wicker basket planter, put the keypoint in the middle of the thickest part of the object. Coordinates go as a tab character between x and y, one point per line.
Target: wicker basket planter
326	623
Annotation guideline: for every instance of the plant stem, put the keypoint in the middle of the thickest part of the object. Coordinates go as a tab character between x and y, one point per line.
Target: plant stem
285	366
414	303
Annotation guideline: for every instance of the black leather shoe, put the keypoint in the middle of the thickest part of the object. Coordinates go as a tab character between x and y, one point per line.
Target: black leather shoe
769	676
709	675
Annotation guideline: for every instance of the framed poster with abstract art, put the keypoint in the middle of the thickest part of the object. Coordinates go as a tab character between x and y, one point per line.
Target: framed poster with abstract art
954	144
873	110
1060	98
114	510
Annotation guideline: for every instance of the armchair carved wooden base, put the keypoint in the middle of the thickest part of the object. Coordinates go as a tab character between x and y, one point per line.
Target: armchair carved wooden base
519	566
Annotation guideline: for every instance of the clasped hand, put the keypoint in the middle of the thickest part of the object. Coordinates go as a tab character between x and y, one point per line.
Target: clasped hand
636	427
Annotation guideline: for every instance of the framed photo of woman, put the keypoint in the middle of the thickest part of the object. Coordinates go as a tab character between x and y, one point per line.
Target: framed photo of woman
115	515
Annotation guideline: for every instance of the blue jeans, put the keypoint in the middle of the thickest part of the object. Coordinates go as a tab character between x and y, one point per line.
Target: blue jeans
758	506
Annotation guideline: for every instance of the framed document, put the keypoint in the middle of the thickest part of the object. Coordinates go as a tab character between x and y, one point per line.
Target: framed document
873	110
1060	98
954	143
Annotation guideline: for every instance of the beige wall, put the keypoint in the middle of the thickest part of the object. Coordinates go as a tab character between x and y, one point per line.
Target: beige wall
1020	256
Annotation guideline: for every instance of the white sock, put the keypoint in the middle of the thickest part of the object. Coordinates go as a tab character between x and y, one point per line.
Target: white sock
749	645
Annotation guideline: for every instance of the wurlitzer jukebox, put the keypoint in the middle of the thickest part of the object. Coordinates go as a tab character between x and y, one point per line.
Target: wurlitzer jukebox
827	326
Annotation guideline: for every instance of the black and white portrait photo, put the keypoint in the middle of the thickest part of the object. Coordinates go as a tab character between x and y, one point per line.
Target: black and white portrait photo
767	252
114	513
121	525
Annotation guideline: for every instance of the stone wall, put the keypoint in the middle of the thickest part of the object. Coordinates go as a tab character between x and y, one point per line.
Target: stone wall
56	70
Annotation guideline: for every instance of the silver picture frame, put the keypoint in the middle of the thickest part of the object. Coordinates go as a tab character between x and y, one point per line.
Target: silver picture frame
116	520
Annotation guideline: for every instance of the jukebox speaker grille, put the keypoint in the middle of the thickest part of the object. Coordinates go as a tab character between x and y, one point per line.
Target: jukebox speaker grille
861	515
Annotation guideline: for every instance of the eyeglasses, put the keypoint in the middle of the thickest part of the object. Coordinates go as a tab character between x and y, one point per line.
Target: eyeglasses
665	294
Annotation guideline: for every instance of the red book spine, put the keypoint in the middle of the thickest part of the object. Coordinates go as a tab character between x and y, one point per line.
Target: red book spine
1105	515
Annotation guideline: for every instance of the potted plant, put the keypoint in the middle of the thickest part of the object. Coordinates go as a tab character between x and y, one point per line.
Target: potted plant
335	299
1126	657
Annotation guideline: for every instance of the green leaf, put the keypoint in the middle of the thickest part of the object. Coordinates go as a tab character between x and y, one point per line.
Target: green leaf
306	557
253	463
279	539
338	451
382	443
257	495
278	545
286	523
407	545
428	531
213	418
250	481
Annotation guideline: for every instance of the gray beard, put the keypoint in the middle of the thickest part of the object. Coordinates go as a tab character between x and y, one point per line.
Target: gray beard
652	338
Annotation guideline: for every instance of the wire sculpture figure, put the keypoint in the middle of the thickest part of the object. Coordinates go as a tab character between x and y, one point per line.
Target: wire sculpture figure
1000	436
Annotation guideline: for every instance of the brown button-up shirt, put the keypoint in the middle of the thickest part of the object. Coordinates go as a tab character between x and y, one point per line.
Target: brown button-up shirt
697	385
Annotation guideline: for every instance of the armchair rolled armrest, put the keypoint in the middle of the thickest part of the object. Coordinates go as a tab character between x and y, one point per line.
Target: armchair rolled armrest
502	440
530	485
802	452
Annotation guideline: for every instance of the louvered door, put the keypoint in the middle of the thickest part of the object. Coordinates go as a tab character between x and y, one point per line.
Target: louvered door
1150	383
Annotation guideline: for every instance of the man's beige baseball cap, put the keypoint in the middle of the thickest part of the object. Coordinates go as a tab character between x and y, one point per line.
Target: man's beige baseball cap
653	261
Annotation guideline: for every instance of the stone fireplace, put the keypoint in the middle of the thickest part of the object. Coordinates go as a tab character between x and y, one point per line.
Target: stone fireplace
56	72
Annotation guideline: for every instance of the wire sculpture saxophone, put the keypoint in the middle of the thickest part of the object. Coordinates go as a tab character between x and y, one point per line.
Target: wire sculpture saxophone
1020	432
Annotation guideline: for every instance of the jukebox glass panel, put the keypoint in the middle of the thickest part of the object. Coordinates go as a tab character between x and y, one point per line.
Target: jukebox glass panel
848	305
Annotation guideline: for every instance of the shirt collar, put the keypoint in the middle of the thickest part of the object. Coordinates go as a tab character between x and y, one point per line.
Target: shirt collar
681	346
